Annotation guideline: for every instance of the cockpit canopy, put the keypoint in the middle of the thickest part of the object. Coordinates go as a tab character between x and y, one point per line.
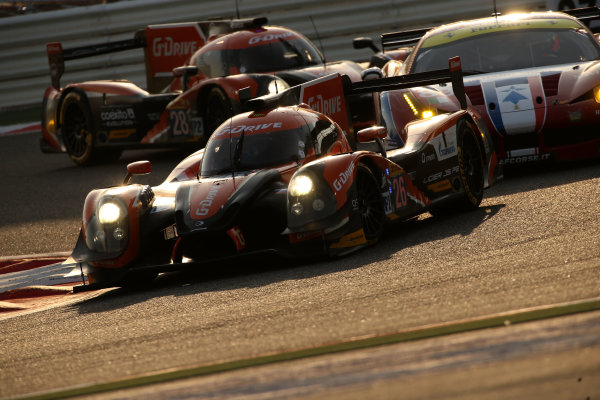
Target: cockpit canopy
270	139
507	45
261	50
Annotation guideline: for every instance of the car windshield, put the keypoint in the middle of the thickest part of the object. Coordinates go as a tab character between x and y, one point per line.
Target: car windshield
275	56
508	50
245	151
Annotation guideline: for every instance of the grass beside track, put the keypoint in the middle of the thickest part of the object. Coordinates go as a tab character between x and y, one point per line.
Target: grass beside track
494	321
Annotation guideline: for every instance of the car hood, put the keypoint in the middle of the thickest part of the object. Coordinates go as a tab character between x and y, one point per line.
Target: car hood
213	203
562	83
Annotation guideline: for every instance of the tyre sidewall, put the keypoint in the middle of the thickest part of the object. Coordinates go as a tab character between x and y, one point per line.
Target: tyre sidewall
75	99
471	197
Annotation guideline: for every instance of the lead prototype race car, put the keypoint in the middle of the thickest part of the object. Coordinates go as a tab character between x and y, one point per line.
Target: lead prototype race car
533	77
284	179
193	73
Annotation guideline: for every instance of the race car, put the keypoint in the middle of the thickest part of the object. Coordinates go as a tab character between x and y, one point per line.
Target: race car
193	72
534	77
284	179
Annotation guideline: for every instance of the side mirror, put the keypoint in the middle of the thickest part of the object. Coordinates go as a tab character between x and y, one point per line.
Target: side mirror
137	168
364	42
244	94
185	73
374	133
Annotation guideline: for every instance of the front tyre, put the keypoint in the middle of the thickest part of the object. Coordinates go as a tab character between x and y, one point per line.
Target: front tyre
470	164
370	203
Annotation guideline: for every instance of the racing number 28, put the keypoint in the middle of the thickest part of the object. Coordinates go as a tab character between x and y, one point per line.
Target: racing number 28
179	122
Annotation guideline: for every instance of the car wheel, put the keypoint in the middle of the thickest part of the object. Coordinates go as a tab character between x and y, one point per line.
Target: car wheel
370	203
78	132
77	128
470	164
217	110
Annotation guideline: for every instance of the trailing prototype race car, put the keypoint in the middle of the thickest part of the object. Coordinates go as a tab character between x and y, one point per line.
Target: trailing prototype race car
283	178
193	72
535	79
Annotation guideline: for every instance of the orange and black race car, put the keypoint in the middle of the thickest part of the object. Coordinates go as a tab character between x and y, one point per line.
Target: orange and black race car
283	178
193	73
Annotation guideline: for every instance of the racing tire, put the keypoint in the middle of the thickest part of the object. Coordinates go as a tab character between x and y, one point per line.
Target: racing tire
78	133
370	203
217	110
470	165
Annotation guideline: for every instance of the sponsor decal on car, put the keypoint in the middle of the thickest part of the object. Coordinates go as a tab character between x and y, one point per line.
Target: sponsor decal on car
326	96
445	144
117	117
169	46
248	129
510	104
350	240
343	177
269	37
205	204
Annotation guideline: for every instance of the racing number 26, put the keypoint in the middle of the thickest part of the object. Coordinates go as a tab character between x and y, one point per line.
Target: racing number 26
179	122
399	188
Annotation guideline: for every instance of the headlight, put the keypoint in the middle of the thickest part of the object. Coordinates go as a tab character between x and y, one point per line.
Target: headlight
109	213
301	185
277	86
597	94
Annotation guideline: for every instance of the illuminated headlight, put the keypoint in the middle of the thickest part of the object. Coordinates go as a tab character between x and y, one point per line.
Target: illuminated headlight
597	94
301	185
109	213
277	86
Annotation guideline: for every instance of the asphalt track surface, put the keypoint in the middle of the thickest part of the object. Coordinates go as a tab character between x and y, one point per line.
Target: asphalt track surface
534	242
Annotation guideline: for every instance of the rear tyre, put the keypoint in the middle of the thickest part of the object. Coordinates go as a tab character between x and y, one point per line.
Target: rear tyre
217	110
370	203
78	133
470	164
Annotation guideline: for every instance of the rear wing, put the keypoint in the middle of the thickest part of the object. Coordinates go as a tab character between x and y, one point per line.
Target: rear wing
328	94
166	46
395	40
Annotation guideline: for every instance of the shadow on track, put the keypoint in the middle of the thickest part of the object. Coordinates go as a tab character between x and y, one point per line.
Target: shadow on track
523	178
262	271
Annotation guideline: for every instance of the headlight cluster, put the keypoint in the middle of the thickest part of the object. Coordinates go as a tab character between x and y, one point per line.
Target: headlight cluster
308	200
107	231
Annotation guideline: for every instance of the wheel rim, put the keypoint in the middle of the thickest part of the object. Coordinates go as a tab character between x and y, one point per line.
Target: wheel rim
472	164
370	205
76	133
